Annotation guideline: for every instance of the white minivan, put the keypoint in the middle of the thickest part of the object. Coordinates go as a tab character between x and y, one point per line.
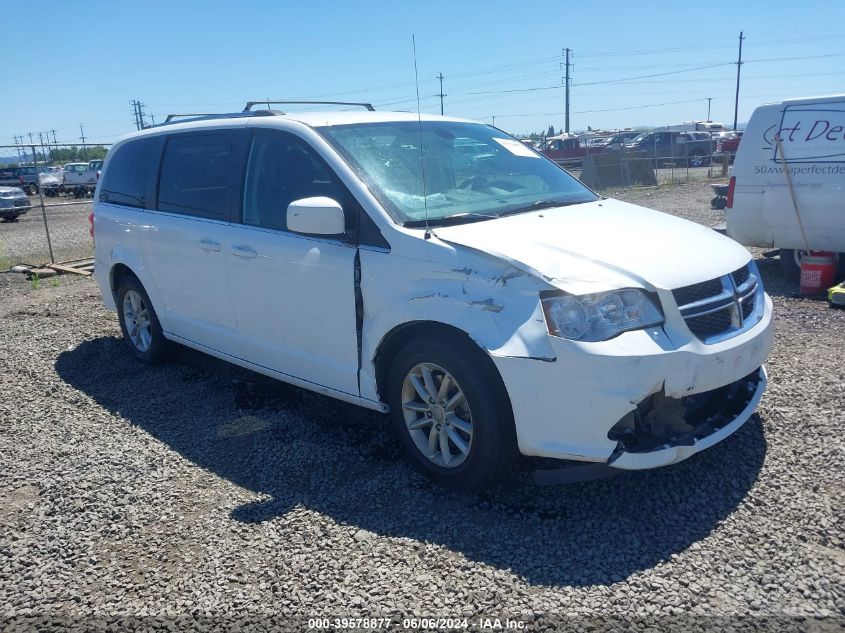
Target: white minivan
439	270
793	197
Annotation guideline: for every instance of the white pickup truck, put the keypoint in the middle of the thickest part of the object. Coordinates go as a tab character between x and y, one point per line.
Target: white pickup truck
79	179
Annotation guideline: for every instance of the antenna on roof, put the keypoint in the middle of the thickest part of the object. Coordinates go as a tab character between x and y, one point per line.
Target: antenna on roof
419	127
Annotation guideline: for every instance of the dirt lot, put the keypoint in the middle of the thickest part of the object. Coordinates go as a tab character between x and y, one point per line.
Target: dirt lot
133	496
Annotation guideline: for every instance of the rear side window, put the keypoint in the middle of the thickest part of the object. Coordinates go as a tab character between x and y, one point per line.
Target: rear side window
130	178
201	174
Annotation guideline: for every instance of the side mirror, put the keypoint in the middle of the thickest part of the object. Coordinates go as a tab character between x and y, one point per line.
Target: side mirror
316	216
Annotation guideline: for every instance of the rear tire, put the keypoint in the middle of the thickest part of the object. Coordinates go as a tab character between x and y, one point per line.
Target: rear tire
32	189
139	323
478	429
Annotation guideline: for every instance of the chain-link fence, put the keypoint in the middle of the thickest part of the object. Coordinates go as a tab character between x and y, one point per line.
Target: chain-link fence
635	169
48	223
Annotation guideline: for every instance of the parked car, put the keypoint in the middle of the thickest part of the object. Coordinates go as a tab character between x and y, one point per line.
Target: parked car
569	151
80	179
770	188
23	176
485	299
615	142
685	148
728	145
13	203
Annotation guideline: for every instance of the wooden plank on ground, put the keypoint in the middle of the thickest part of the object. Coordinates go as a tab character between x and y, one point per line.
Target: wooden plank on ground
70	269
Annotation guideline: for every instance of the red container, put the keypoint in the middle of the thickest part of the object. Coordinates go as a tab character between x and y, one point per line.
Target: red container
818	270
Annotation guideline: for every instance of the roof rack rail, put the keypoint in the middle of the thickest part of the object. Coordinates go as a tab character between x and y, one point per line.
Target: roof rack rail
170	117
200	116
368	106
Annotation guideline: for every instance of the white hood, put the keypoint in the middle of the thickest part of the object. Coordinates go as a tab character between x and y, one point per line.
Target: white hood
604	245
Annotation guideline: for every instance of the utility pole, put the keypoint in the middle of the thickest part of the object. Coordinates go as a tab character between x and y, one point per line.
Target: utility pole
138	111
738	67
32	146
567	80
440	94
84	149
18	141
153	118
141	115
494	120
709	99
41	140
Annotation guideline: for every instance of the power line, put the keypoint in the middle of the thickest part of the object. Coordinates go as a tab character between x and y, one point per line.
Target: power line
639	107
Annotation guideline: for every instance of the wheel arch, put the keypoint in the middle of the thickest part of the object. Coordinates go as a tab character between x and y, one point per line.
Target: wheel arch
117	273
125	262
393	341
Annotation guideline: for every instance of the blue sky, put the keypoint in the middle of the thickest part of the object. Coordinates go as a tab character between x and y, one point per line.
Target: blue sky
85	62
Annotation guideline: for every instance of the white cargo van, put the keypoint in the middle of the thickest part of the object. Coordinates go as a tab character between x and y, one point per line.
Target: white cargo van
774	192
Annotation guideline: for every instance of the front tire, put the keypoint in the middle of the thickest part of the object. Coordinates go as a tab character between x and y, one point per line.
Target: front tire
450	412
139	323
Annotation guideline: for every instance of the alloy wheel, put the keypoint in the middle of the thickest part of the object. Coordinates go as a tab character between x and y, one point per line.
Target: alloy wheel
437	415
136	318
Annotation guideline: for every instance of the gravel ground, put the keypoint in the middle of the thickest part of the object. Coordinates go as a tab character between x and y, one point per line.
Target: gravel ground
134	496
25	241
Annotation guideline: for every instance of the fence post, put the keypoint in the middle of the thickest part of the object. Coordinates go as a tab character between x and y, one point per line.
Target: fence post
43	208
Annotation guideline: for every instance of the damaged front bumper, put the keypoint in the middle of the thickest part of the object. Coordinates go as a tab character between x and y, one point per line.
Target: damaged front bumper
640	400
663	430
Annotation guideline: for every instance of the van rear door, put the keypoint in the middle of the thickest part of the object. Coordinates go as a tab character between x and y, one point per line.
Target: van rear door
813	153
187	235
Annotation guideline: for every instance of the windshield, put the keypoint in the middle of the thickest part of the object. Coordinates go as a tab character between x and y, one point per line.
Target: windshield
640	138
472	171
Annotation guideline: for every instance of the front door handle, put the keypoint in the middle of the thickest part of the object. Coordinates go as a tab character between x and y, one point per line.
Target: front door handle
244	251
209	245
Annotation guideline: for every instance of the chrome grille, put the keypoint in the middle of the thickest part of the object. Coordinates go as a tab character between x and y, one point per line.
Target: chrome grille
720	308
741	276
697	292
710	324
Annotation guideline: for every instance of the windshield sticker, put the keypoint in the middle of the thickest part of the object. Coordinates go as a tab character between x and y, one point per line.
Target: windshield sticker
517	148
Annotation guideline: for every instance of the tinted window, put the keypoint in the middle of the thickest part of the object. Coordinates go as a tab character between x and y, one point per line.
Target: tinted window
200	175
130	178
282	168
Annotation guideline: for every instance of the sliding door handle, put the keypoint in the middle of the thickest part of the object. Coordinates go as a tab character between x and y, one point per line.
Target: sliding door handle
244	251
209	245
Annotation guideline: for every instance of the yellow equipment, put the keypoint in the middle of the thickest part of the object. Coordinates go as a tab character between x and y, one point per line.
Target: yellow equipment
836	295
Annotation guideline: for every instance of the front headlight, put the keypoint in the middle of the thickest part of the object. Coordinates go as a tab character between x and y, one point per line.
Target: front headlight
600	316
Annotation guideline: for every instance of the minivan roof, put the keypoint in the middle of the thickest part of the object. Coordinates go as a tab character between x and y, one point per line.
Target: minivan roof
311	119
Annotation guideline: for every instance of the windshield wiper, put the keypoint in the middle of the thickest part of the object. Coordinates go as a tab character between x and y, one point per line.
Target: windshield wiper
460	218
540	204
